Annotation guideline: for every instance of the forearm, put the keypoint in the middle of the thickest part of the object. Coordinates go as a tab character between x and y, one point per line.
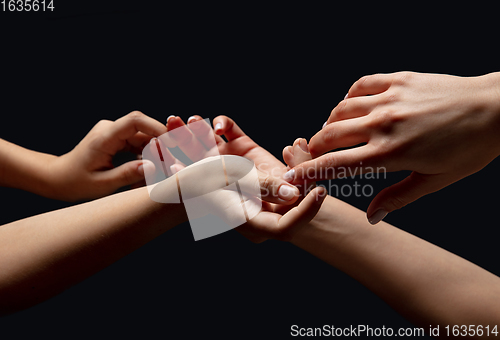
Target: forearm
24	169
43	255
421	281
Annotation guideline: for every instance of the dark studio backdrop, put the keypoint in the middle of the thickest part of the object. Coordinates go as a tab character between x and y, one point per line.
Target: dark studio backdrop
278	72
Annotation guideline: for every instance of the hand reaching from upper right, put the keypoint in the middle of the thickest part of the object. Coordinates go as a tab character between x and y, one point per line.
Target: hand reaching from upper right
441	127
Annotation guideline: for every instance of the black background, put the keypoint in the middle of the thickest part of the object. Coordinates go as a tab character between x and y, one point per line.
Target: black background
278	72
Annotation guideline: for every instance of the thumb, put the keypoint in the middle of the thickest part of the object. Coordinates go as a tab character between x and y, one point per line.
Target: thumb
276	190
402	193
126	174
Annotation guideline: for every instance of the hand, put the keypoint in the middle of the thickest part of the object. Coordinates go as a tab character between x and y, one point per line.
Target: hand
87	172
275	220
441	127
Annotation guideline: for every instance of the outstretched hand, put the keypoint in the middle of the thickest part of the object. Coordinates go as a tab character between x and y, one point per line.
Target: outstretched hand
275	221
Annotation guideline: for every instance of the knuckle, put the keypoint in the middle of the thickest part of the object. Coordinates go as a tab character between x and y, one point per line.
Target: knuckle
340	110
402	78
395	203
266	183
384	121
389	97
329	134
102	123
362	81
128	175
134	115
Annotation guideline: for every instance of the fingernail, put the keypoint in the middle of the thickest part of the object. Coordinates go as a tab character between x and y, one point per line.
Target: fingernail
303	145
289	176
173	169
287	192
218	127
168	118
146	166
347	95
377	216
191	118
140	169
324	124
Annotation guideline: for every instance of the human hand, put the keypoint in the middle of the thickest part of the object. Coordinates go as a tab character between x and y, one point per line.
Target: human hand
87	172
274	220
441	127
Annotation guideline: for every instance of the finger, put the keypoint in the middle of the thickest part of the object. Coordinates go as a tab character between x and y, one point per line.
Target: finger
203	131
276	190
288	156
126	174
224	125
116	135
185	139
338	135
369	85
271	225
137	142
175	168
402	193
305	211
353	108
161	156
300	151
335	164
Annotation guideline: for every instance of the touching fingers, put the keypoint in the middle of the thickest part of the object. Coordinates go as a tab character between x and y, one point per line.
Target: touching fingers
276	190
335	164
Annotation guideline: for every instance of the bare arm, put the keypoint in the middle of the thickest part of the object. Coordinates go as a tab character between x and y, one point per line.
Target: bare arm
426	284
45	254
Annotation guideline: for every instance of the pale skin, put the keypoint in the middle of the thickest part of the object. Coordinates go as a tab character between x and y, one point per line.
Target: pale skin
441	127
43	255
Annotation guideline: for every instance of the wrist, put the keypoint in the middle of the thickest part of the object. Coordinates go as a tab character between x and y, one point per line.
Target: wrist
489	102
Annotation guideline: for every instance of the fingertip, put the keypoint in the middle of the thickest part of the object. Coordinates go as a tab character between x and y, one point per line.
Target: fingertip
168	118
218	129
288	155
145	167
174	122
288	193
377	216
